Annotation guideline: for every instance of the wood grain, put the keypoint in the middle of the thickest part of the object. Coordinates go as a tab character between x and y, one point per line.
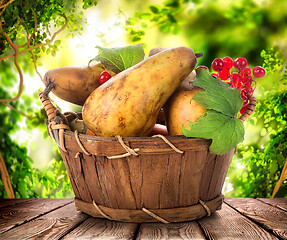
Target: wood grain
12	216
94	228
11	202
172	231
228	224
276	202
242	218
269	217
220	169
75	171
53	225
69	169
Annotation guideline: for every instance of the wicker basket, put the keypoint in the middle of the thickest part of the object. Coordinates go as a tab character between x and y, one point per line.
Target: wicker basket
150	179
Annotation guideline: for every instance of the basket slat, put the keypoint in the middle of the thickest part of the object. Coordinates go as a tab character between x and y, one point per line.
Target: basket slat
220	169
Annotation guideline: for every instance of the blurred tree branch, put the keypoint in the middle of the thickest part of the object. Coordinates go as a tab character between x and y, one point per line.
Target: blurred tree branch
29	48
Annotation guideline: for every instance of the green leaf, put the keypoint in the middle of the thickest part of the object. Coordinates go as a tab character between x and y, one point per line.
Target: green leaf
57	42
219	123
119	59
136	38
155	9
225	131
218	96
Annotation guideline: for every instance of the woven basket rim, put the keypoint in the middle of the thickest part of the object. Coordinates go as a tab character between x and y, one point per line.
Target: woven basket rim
139	139
110	146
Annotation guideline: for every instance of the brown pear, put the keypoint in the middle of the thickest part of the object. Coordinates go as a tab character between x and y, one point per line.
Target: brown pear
181	108
74	84
128	104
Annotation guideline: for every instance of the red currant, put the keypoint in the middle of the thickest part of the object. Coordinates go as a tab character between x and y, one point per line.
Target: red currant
217	64
228	62
105	76
246	72
245	101
244	96
258	72
234	76
214	75
236	80
224	74
246	75
240	63
248	88
204	67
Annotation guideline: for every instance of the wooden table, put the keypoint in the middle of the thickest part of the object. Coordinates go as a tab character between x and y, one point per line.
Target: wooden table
239	218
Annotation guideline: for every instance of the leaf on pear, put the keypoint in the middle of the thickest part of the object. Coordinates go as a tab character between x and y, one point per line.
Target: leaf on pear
218	95
219	123
225	131
119	59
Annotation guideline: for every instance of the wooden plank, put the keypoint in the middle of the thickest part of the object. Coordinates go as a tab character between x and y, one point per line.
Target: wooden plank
276	202
95	228
174	231
12	216
229	224
269	217
53	225
11	202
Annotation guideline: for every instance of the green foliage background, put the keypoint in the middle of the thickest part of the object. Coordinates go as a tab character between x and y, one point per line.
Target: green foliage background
252	29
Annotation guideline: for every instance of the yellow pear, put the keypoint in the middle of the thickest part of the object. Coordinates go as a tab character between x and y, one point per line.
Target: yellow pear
128	104
74	84
181	108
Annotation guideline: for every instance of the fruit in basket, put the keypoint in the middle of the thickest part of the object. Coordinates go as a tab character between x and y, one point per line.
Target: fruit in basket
181	109
89	132
159	129
171	116
74	84
156	50
129	103
241	78
104	76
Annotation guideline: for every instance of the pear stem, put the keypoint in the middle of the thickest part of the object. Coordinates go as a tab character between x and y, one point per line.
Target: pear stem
198	55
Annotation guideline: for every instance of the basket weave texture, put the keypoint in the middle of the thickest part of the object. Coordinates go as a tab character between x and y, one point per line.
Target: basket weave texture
149	179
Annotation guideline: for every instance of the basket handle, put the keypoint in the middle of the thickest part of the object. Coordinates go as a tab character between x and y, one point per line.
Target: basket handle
57	122
50	109
249	110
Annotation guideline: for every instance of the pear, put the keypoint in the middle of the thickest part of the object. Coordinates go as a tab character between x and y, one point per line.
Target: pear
156	50
181	108
74	84
128	104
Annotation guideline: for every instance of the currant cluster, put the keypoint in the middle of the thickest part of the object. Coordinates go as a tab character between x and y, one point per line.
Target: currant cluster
241	78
